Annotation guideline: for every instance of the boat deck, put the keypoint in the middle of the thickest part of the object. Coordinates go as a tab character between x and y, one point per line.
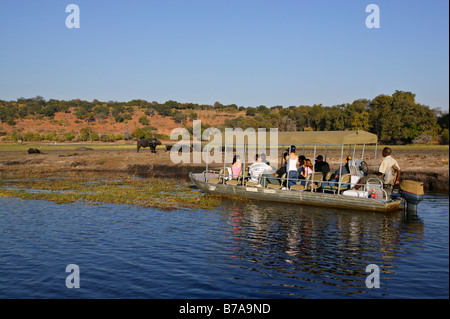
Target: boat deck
305	197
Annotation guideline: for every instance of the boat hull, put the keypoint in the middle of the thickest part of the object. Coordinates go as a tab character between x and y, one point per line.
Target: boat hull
294	197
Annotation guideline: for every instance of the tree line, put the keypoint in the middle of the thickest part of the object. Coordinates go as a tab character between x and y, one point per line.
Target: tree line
396	118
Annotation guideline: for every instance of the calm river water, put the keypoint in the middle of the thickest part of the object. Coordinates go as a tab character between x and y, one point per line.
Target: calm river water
238	250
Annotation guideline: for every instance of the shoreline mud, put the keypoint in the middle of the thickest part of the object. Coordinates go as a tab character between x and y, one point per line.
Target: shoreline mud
428	166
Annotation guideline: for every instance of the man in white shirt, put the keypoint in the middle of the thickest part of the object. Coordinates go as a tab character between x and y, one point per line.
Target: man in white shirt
388	168
257	168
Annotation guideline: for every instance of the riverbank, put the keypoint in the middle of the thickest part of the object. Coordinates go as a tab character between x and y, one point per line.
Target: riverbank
429	164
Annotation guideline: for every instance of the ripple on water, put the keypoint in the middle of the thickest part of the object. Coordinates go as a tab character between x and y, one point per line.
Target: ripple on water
238	250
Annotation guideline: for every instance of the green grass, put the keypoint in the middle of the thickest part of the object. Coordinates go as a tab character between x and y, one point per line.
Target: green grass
69	147
157	193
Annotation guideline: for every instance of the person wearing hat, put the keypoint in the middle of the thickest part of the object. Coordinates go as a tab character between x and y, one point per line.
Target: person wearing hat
345	168
321	166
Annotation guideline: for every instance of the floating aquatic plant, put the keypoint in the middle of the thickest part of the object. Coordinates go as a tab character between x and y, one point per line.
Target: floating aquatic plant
148	192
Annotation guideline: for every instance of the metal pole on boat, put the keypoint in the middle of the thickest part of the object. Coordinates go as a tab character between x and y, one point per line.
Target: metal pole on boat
354	151
375	159
287	168
340	169
207	160
326	148
224	163
282	158
314	168
243	168
362	154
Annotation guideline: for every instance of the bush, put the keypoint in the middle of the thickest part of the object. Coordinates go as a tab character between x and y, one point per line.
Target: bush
107	138
141	133
69	136
88	134
423	139
31	137
127	135
51	136
144	120
178	116
162	137
16	136
251	111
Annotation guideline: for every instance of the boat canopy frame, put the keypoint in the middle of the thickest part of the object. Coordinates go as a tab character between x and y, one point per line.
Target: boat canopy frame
306	138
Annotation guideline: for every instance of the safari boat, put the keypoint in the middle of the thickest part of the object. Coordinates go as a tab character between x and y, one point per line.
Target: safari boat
317	190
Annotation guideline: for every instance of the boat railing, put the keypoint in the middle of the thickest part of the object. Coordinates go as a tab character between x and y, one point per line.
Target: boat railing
313	183
210	175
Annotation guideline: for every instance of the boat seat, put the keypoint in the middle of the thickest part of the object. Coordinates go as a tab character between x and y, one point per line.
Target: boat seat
237	181
298	187
311	181
282	179
246	179
345	184
328	176
220	178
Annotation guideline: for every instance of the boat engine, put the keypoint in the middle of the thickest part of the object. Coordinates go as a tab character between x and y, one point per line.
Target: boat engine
412	192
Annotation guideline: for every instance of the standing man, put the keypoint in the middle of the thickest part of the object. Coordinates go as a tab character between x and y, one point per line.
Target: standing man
390	170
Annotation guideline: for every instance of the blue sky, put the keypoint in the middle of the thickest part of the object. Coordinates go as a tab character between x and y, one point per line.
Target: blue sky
245	52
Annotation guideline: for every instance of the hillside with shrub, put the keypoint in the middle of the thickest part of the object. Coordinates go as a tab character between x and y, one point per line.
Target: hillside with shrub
396	119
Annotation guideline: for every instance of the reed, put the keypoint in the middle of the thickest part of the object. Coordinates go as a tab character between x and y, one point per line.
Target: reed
149	192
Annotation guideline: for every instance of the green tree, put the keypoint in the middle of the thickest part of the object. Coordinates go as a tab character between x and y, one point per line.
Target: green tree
144	120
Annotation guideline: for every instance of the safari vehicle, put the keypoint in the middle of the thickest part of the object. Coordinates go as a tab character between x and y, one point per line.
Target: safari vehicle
317	190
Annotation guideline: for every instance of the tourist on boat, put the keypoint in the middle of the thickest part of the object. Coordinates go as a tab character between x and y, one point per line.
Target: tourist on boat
301	161
268	178
345	168
264	158
236	166
322	166
334	181
257	168
292	173
306	170
390	170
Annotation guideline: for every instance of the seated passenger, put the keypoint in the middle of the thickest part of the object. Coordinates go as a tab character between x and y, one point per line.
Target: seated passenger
264	159
301	161
345	169
334	180
236	166
306	170
321	166
257	168
268	178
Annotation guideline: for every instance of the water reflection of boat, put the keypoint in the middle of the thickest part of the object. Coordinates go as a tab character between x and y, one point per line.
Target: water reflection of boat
316	247
337	194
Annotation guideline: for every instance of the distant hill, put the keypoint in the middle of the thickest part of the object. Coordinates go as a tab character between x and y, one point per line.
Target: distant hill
396	119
